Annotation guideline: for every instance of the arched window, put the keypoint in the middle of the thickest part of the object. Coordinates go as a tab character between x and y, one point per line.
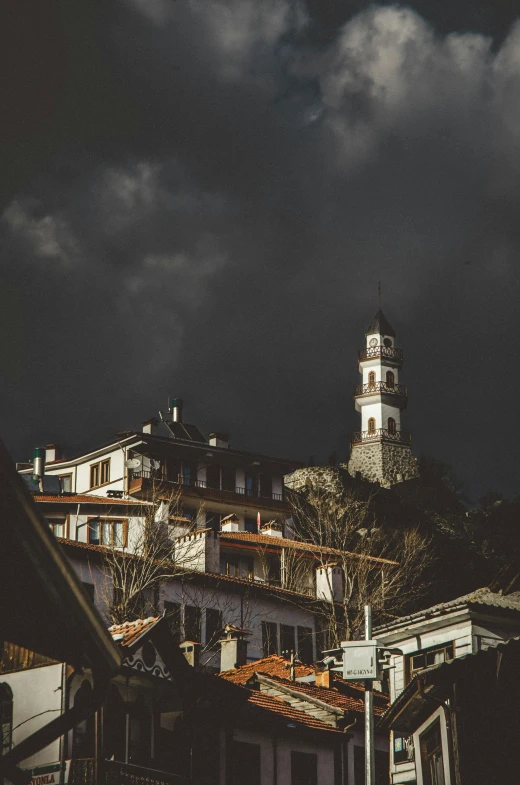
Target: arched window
391	425
371	379
390	379
372	425
6	718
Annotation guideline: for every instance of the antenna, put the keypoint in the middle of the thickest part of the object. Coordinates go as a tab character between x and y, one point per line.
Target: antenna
379	293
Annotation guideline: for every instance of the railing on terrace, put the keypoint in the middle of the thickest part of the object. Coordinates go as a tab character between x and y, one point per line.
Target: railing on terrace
220	493
381	435
381	387
382	352
82	772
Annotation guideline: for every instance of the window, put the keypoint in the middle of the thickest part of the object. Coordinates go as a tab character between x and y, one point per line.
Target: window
403	749
6	718
251	525
251	484
272	569
428	657
100	473
58	526
172	611
431	755
189	473
371	425
266	486
391	425
236	566
304	768
269	638
245	763
228	479
213	627
192	623
387	342
371	379
66	483
305	648
287	639
213	476
390	379
104	531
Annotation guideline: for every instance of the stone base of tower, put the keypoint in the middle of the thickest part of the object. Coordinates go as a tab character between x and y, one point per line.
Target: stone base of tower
383	462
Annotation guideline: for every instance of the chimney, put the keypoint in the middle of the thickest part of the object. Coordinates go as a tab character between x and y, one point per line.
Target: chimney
38	462
52	453
219	440
233	648
273	529
231	523
176	409
150	426
324	678
191	650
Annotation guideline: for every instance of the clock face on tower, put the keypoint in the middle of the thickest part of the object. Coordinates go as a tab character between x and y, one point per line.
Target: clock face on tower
373	342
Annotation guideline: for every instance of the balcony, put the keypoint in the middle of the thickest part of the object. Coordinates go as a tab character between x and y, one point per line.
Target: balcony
381	388
381	435
142	481
381	353
82	772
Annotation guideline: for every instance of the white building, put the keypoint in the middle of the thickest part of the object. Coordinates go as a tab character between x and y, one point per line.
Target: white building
444	632
381	451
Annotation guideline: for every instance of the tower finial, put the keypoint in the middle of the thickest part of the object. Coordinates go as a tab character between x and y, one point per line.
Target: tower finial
379	293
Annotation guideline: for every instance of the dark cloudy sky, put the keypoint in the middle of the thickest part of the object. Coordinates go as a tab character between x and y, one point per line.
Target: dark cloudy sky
199	197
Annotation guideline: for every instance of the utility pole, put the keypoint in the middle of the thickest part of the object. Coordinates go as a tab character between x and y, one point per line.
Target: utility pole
369	711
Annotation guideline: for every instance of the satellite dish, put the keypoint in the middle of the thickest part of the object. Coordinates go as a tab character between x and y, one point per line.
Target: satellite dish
133	463
154	464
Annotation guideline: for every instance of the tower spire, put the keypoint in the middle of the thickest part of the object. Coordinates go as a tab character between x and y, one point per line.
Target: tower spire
379	294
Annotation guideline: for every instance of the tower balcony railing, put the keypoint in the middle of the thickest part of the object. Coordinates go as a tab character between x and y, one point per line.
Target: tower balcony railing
381	352
381	435
381	387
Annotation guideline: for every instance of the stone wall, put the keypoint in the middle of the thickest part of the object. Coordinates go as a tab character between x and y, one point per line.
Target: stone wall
327	478
382	462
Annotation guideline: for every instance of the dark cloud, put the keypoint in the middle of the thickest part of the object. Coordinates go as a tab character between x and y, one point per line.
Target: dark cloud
208	196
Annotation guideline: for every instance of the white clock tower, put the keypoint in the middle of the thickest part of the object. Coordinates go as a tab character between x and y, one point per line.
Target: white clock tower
381	451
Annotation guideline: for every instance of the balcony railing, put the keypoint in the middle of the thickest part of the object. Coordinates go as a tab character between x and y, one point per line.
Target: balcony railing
201	488
82	772
381	352
379	388
381	435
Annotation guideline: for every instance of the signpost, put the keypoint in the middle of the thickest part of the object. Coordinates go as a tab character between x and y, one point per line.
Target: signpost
364	661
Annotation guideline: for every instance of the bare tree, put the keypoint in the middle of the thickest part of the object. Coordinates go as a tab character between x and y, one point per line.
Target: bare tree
160	544
356	560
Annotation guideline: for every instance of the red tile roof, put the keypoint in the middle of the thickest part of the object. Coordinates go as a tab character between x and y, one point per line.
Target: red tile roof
281	708
271	666
282	542
130	632
331	696
84	498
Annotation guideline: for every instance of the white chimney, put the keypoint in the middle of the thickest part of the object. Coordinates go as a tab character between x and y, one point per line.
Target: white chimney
176	409
191	650
273	529
233	648
38	462
219	440
231	523
150	426
329	583
52	453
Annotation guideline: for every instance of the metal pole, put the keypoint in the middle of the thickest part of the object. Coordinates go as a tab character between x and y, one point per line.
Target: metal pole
369	711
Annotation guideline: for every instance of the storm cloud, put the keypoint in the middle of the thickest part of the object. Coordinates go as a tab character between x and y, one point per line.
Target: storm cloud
209	208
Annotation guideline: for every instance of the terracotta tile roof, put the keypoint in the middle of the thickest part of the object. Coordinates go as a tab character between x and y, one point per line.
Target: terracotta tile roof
84	498
271	666
281	708
283	542
331	696
130	632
